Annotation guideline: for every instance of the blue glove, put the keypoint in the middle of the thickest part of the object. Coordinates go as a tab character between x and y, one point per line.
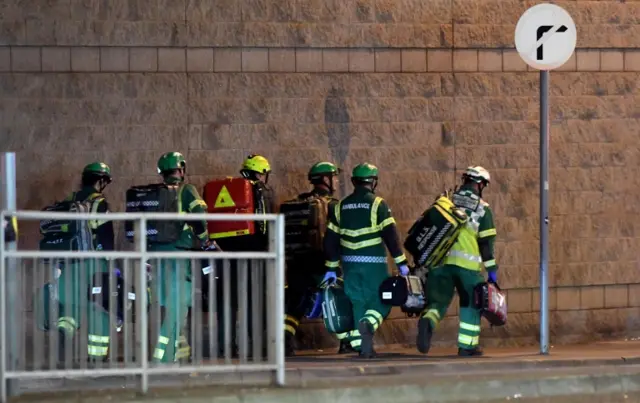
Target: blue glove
316	311
493	277
330	277
404	270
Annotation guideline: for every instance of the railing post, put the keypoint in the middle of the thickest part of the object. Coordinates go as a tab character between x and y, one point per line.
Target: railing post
279	296
3	316
144	320
9	286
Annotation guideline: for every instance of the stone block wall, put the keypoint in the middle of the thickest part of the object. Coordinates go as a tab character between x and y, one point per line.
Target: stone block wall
421	89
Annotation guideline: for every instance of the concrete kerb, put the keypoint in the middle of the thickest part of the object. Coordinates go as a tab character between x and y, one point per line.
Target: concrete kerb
452	368
471	387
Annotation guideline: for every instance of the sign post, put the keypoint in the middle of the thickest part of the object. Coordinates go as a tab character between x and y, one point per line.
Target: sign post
545	38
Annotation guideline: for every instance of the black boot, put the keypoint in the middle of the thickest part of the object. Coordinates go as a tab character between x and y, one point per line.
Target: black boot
423	341
289	345
472	352
366	348
62	346
345	347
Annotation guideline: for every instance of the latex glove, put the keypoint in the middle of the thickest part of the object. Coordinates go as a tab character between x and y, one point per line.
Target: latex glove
404	270
316	311
330	277
492	277
210	246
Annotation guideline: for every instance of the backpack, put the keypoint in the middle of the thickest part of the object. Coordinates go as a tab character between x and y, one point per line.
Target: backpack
155	198
69	234
337	310
432	236
305	224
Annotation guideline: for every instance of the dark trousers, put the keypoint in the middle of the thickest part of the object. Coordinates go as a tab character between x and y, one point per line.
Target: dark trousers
246	289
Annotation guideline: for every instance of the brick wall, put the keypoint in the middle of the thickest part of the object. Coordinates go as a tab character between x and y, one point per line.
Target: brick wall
422	89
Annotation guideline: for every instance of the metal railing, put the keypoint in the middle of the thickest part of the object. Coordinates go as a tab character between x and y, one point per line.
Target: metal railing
83	292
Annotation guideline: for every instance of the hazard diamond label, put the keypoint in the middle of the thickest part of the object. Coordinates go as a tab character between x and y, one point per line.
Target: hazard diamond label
224	199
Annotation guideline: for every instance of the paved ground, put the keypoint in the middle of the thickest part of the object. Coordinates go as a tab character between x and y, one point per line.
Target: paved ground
516	373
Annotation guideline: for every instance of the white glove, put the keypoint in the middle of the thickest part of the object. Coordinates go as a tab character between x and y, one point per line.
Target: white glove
404	270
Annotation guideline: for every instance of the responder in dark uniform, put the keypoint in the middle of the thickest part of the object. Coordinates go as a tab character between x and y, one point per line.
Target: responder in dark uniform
462	268
95	178
256	169
304	272
10	229
359	228
173	274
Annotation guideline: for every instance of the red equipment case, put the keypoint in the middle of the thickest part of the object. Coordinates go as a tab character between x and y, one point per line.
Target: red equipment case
229	196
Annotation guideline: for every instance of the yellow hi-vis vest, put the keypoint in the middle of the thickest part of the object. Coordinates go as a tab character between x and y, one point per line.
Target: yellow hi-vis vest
465	252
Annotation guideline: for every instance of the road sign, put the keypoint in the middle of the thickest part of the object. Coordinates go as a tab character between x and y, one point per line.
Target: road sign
546	36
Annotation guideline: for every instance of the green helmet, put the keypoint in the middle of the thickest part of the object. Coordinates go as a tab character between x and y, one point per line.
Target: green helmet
323	169
171	161
99	169
365	172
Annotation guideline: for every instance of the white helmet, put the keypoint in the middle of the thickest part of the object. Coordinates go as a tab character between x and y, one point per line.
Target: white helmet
477	174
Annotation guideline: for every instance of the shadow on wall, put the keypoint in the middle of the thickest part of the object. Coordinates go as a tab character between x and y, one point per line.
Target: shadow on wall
336	119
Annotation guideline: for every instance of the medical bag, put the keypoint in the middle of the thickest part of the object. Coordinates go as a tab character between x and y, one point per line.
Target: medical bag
491	302
432	236
230	196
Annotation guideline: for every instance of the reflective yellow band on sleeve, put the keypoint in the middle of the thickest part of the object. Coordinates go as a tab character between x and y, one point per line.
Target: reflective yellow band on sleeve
197	202
487	233
400	258
332	264
490	263
386	222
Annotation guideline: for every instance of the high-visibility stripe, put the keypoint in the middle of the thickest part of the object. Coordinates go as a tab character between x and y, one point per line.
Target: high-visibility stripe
333	228
229	234
487	233
158	353
400	258
341	336
291	319
163	340
467	256
98	339
490	263
469	327
290	329
361	244
332	264
97	351
433	315
468	340
386	222
197	202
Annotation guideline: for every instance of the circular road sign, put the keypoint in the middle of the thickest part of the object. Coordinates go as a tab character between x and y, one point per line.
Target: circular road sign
545	36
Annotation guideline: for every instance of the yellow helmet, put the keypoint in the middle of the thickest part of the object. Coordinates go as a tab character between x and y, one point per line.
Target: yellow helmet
256	163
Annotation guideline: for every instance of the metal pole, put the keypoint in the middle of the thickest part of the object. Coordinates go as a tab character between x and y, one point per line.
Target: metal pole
544	212
9	190
141	232
279	273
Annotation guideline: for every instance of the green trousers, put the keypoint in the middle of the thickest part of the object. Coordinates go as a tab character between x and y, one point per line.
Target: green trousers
361	284
174	293
440	288
74	287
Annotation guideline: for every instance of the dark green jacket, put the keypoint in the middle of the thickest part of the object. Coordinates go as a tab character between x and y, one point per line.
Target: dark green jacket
103	234
359	227
10	229
190	202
